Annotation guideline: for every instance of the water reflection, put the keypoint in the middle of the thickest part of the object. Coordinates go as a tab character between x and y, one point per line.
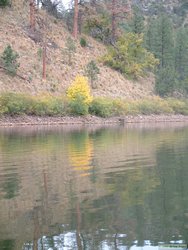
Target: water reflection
93	188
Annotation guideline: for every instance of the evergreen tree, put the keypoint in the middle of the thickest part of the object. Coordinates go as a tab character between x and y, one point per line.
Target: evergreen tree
92	71
4	3
151	34
165	81
164	47
75	23
70	49
181	54
160	41
9	60
137	22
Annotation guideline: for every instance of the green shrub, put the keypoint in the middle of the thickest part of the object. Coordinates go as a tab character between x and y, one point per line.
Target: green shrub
178	106
98	27
83	42
101	107
154	106
69	50
4	3
9	60
132	108
39	53
15	104
129	56
92	71
78	106
120	107
48	105
18	104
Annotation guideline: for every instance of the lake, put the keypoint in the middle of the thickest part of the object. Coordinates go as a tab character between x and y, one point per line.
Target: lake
94	187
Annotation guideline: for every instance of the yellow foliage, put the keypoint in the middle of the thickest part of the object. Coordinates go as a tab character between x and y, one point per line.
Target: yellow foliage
81	158
130	57
80	90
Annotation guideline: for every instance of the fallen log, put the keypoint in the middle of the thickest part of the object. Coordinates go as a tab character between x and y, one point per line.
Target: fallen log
21	77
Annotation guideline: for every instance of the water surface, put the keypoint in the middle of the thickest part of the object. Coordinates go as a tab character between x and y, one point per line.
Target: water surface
93	187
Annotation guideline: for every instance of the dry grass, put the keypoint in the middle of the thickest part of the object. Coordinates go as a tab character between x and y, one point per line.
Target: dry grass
14	31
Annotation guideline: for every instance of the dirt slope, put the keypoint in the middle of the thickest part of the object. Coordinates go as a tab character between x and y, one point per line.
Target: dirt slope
14	30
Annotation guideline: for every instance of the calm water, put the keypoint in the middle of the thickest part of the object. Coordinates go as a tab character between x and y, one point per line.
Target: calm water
114	188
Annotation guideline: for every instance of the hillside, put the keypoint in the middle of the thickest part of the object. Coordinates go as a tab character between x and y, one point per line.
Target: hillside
14	31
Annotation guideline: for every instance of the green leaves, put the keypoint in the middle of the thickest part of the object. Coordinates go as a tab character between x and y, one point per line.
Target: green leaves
170	46
92	71
137	22
130	57
9	60
4	3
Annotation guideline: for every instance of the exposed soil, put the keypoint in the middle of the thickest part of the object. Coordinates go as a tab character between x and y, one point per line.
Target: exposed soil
14	30
69	120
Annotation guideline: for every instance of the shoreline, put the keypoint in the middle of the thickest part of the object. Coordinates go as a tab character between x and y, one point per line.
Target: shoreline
11	121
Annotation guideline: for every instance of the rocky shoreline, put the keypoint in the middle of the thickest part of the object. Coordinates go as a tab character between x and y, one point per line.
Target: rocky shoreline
24	120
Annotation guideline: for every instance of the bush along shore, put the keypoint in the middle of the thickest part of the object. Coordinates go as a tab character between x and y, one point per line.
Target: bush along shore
46	109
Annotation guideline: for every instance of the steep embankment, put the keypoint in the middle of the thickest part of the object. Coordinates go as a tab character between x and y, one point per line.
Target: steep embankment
14	30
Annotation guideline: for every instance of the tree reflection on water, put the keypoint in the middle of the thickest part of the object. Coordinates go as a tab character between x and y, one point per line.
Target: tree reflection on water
112	188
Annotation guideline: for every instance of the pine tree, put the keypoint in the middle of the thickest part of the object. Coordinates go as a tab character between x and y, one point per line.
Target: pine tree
92	71
70	49
181	52
151	34
165	81
160	41
137	22
4	3
164	46
75	24
181	57
118	10
9	60
32	15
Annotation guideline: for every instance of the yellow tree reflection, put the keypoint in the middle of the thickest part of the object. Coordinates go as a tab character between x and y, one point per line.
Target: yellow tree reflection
80	153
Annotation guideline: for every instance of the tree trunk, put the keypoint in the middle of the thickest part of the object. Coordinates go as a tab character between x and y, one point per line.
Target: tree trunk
44	61
44	49
113	19
32	15
78	217
75	27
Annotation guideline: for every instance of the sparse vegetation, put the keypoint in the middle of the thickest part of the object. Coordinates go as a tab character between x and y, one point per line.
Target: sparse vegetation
92	71
70	49
138	45
39	53
83	42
